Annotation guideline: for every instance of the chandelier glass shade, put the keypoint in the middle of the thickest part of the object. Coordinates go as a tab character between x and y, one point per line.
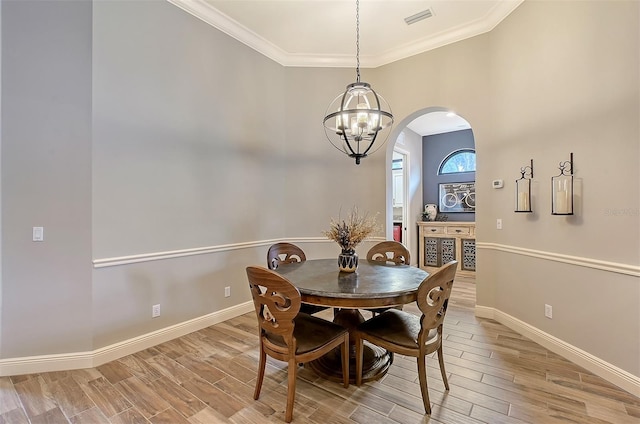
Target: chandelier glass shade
356	118
359	117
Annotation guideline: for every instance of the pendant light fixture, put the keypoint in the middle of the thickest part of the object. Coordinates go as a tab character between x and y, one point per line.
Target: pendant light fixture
355	119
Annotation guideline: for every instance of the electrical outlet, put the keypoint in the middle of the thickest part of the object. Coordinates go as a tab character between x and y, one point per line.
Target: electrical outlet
548	311
155	311
499	224
227	291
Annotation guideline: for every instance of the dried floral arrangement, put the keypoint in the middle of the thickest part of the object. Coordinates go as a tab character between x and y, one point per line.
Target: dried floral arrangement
349	232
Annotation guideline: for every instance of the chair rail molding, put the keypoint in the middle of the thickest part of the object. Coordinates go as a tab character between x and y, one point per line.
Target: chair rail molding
155	256
620	268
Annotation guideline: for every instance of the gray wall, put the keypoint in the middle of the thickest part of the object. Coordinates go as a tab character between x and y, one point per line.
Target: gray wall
184	149
46	177
187	139
564	79
574	88
435	148
199	142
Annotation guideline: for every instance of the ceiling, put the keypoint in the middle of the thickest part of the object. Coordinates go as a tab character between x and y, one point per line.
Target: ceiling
323	32
438	123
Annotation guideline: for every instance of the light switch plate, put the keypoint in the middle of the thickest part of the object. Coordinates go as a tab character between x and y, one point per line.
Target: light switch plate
38	233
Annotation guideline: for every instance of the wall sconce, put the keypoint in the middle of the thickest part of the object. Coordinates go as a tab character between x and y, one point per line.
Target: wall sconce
523	189
562	189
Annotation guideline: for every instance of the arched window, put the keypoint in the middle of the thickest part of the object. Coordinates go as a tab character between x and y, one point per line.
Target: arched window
463	160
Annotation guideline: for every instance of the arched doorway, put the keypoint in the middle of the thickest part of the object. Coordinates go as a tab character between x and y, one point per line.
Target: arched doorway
427	121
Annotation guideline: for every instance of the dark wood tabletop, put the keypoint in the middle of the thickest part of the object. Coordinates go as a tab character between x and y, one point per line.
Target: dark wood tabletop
374	284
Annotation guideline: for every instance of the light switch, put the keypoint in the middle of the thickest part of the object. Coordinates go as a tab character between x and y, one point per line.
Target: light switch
38	233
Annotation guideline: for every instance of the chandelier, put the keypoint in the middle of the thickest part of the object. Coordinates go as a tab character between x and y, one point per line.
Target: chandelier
355	118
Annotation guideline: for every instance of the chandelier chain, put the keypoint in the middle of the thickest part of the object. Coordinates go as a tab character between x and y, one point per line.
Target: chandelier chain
358	40
359	117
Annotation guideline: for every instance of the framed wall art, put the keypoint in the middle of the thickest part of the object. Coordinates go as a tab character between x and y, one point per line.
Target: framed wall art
457	197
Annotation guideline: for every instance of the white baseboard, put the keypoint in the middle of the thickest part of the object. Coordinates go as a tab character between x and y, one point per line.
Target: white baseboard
599	367
79	360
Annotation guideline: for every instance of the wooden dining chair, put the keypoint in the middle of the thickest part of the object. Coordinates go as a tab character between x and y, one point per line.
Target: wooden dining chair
389	251
407	334
287	335
286	253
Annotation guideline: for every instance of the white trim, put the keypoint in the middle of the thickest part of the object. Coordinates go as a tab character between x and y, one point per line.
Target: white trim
204	11
79	360
620	268
609	372
406	198
155	256
451	35
207	13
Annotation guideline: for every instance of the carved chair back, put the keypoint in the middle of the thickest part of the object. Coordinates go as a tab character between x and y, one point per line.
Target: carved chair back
433	299
390	251
284	253
277	302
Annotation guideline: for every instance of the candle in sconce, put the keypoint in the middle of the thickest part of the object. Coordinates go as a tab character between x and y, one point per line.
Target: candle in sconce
523	202
562	202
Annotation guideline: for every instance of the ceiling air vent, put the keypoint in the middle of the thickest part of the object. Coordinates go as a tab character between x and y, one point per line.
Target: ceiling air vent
418	16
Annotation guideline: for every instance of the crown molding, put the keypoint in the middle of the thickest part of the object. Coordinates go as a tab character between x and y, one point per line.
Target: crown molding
450	36
207	13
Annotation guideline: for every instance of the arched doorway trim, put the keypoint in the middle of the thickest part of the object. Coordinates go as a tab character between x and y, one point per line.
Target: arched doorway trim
393	138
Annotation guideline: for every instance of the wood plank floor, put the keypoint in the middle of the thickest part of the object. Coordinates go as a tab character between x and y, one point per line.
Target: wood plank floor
496	376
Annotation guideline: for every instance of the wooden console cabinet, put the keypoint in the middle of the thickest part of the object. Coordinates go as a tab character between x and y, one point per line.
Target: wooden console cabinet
441	242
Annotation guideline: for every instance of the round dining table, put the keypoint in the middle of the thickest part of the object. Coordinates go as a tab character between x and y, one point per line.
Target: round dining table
373	285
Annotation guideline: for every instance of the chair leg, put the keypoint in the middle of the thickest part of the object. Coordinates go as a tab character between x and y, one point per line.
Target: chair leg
442	371
422	376
359	349
292	371
261	366
345	361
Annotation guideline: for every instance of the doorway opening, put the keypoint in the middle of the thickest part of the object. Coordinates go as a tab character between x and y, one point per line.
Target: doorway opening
400	195
445	133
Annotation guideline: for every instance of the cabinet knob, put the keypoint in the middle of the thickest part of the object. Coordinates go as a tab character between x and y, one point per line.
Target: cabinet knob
433	230
458	231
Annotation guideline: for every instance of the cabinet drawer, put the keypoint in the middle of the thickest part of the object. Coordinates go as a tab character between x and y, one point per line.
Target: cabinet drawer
458	230
433	230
